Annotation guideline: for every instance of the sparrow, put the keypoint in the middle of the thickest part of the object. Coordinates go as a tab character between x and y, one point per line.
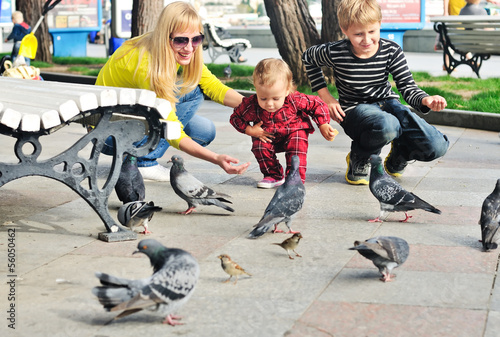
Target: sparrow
291	244
231	268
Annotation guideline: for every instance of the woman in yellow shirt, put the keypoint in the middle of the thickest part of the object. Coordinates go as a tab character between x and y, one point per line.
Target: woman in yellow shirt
151	61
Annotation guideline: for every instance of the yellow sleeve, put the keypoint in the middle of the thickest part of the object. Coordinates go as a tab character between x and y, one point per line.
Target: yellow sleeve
119	71
212	86
121	67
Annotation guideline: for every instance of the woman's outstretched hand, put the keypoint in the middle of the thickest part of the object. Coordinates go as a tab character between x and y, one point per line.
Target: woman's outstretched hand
227	164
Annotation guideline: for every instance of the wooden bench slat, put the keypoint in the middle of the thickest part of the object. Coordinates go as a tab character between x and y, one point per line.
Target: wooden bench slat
164	107
58	102
67	108
10	118
31	123
48	98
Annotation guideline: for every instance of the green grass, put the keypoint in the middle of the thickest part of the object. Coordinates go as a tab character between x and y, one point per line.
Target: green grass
461	93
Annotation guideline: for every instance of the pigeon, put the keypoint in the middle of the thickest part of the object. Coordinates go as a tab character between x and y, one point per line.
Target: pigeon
175	274
490	219
137	213
386	253
391	195
228	71
231	268
192	190
291	244
286	202
130	185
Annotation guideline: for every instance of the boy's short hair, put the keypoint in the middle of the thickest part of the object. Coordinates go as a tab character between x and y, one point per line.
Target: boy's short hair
17	17
270	70
362	12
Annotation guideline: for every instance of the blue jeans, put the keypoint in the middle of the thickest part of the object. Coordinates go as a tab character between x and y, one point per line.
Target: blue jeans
15	53
372	126
200	129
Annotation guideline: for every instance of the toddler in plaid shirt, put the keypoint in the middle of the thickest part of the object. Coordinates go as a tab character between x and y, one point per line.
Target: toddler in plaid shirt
278	119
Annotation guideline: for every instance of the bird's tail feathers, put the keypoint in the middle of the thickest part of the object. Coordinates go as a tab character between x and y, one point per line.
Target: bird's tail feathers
112	281
432	209
226	207
110	297
217	202
425	205
258	231
358	245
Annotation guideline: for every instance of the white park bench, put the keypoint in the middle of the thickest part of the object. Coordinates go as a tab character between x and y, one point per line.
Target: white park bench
31	109
217	46
460	35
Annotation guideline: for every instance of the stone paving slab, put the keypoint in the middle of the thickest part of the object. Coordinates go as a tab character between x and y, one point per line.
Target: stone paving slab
448	286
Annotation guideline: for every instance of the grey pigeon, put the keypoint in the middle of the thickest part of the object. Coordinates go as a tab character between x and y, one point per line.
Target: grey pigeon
391	195
137	213
130	185
490	219
386	253
175	273
286	202
228	71
192	190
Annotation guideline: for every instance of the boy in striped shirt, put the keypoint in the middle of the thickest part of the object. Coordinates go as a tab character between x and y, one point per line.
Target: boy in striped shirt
368	109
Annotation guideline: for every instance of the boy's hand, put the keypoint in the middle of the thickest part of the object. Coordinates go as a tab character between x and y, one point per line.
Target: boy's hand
258	132
328	132
436	102
336	112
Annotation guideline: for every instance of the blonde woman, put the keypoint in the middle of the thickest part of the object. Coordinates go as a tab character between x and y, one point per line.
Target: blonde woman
152	61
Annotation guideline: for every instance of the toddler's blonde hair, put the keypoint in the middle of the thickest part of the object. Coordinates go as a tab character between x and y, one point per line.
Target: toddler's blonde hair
17	17
268	71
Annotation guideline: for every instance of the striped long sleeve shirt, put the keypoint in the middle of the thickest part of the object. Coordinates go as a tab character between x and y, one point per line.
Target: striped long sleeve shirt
360	80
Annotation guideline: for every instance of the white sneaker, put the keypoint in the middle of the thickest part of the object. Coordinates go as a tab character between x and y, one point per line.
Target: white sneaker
156	173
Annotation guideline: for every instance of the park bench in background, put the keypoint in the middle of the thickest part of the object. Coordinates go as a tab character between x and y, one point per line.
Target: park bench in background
30	110
463	34
217	46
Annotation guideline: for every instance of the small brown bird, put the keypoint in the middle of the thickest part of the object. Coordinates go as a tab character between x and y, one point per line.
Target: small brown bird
290	244
231	268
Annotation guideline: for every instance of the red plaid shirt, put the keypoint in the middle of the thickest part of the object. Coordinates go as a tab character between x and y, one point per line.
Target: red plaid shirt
293	115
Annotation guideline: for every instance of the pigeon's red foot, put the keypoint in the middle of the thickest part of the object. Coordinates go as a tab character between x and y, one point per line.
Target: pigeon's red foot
188	211
406	218
290	231
276	230
377	219
146	231
172	320
387	277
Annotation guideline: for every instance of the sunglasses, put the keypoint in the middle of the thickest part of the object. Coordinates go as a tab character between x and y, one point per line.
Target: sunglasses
181	41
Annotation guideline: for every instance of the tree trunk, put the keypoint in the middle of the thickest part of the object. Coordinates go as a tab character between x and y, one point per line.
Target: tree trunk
294	30
145	15
330	29
32	11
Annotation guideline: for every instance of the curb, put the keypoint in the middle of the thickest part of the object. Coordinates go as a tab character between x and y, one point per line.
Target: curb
465	119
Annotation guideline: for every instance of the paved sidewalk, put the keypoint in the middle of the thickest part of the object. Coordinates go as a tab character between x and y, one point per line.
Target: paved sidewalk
447	287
